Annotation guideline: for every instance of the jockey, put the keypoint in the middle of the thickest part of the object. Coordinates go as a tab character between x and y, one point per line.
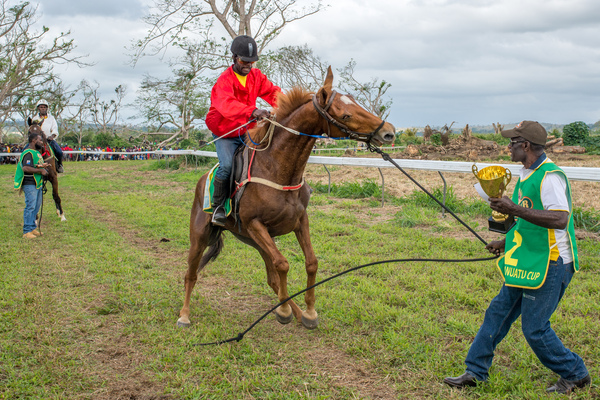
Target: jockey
50	129
233	104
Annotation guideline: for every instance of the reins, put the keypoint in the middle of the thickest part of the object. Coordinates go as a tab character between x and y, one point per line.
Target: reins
365	137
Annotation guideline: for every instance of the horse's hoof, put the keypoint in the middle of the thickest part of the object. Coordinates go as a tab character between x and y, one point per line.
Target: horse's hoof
63	218
310	323
183	324
284	320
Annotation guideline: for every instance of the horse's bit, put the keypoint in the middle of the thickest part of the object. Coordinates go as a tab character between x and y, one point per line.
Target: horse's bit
365	137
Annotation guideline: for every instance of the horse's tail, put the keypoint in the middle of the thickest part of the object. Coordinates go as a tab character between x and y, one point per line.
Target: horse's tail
214	249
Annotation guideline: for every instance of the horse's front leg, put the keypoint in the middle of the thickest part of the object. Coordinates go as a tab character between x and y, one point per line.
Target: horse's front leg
56	197
273	282
310	318
259	233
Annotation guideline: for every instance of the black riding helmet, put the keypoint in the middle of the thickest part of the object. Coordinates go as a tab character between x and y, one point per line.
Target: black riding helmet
245	48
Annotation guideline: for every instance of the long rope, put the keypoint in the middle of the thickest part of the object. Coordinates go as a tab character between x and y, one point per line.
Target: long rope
386	157
240	336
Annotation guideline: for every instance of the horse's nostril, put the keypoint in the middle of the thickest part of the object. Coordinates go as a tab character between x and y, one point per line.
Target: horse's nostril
388	137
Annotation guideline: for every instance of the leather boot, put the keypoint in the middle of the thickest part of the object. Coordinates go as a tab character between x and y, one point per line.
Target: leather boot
462	381
221	190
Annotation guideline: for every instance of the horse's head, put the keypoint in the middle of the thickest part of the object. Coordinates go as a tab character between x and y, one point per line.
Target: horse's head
36	128
346	118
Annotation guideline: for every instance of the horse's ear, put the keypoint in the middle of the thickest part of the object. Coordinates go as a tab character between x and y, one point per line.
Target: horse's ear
325	91
29	121
328	80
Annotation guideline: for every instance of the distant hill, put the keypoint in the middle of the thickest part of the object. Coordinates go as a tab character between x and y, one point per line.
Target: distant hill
486	128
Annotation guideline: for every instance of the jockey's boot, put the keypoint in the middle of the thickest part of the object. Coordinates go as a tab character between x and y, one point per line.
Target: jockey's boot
221	190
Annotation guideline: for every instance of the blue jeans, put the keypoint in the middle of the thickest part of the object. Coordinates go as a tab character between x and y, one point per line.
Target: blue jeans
535	307
225	150
33	202
57	150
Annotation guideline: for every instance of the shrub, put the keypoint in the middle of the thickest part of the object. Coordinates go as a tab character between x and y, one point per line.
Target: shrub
575	133
436	139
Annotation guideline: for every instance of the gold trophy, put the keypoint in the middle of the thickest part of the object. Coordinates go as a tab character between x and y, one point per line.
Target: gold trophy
493	180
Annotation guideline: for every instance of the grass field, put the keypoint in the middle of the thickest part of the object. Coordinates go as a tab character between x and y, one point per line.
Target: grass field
88	311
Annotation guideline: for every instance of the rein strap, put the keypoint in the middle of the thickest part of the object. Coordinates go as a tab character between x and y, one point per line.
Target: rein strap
366	137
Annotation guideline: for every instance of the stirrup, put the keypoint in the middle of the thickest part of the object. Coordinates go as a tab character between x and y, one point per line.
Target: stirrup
219	217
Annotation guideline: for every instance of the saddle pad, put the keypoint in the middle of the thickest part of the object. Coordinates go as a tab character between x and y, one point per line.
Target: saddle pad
208	192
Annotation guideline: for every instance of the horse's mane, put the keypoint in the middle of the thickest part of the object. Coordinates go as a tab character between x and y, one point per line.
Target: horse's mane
287	103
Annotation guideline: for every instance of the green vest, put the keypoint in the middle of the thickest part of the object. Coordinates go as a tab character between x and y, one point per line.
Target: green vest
529	248
19	174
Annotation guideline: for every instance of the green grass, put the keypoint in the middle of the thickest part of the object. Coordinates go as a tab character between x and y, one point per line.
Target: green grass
88	311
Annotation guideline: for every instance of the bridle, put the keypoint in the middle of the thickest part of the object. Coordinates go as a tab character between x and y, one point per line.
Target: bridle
363	137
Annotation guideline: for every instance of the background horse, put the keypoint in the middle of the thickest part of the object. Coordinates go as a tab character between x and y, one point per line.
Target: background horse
267	211
52	174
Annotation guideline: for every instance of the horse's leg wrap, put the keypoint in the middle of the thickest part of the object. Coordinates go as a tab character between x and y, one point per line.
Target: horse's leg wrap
221	190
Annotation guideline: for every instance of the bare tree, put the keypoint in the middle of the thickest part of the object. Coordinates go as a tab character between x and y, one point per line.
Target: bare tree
445	133
173	21
467	132
294	66
427	134
181	99
26	63
105	114
77	112
498	128
370	94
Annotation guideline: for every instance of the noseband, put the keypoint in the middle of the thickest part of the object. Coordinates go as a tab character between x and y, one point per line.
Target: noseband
364	137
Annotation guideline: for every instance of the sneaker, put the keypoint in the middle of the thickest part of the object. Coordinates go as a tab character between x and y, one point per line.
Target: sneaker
36	232
29	235
60	169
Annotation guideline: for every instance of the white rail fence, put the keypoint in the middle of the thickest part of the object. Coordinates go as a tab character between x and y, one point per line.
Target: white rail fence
573	173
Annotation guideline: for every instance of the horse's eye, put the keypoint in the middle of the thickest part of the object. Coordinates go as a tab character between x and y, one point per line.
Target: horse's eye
346	117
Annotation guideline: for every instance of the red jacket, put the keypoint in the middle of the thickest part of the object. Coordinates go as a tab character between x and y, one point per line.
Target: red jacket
231	104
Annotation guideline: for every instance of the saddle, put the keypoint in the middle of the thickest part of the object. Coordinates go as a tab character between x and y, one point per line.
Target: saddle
240	176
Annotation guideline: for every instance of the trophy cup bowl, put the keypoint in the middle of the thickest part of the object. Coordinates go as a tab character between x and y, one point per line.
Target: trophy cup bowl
494	180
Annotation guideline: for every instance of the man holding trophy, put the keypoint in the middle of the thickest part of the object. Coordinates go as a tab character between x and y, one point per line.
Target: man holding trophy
539	262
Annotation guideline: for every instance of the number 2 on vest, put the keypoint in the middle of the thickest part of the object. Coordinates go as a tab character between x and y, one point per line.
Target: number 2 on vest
508	260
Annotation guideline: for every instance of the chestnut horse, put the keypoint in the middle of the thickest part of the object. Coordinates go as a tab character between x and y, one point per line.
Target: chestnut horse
266	211
52	176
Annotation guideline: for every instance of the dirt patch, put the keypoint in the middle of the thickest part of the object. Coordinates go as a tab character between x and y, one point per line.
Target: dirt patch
119	357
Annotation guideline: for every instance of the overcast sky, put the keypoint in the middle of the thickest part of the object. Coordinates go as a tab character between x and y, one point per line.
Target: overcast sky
469	61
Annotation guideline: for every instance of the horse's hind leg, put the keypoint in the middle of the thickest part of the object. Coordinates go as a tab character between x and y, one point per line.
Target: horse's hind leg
200	234
309	318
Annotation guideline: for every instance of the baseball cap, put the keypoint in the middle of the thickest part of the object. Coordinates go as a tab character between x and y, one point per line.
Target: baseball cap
528	130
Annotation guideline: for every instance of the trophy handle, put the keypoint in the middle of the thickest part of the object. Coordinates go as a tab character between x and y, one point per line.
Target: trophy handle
507	178
475	170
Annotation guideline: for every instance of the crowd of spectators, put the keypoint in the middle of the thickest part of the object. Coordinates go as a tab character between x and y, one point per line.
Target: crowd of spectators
104	153
100	153
10	148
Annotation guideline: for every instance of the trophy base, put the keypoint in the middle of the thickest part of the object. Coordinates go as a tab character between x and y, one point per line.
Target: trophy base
502	226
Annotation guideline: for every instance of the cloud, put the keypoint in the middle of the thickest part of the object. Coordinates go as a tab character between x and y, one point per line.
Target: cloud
468	60
130	9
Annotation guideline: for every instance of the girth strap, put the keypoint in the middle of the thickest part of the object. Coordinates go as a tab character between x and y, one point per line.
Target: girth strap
270	184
